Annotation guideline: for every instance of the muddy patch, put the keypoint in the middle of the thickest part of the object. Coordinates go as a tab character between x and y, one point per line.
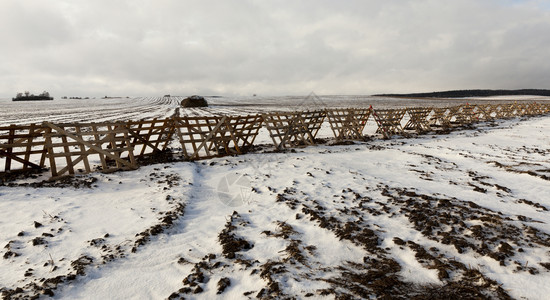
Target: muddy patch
523	168
231	243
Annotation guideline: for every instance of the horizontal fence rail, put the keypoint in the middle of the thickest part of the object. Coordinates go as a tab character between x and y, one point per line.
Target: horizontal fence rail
419	119
389	121
348	124
69	144
149	136
19	143
79	148
293	129
215	136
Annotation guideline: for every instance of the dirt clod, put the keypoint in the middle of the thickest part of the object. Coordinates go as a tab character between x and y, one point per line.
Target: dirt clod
223	284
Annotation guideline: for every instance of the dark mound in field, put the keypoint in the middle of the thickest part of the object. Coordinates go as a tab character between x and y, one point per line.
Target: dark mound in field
194	101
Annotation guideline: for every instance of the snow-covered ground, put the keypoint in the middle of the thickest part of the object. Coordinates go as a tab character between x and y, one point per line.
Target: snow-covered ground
121	109
458	215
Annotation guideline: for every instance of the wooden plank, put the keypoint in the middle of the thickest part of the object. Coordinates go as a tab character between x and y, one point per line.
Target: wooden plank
50	153
92	146
68	157
389	121
83	149
18	159
418	120
153	135
438	119
295	131
171	129
9	150
249	130
129	149
98	140
466	115
194	134
18	146
485	112
214	136
178	125
348	124
208	138
293	128
23	144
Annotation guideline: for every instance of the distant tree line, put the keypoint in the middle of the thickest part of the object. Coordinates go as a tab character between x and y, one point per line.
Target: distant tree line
473	93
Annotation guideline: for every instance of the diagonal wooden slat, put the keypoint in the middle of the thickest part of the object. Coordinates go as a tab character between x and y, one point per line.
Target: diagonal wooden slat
18	145
418	120
214	136
389	121
291	129
107	134
348	124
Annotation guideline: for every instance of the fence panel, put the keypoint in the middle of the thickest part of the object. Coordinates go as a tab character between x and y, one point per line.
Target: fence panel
150	136
348	123
243	130
22	147
419	119
389	121
486	112
72	145
81	148
214	136
290	129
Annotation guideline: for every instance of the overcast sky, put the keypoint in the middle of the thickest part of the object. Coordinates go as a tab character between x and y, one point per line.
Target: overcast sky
156	47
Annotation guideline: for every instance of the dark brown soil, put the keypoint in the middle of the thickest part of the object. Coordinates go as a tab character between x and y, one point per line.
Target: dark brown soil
378	275
223	284
515	169
46	286
230	242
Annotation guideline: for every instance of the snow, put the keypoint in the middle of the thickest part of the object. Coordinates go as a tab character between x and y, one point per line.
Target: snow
117	207
124	108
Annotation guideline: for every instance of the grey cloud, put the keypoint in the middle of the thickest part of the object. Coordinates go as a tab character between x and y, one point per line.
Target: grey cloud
272	47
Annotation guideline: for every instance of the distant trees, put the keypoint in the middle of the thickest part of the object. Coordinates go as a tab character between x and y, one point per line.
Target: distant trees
473	93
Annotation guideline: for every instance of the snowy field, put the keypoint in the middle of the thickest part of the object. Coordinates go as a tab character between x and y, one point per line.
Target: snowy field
85	110
460	215
121	109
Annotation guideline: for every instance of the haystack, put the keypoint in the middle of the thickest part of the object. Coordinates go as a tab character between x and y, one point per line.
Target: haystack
194	101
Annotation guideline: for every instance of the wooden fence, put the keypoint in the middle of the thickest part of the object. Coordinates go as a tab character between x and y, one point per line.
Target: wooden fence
70	144
18	143
348	124
214	136
149	137
389	121
294	129
79	148
418	119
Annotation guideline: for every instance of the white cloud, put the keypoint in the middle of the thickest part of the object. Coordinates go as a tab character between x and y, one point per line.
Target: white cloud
272	47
